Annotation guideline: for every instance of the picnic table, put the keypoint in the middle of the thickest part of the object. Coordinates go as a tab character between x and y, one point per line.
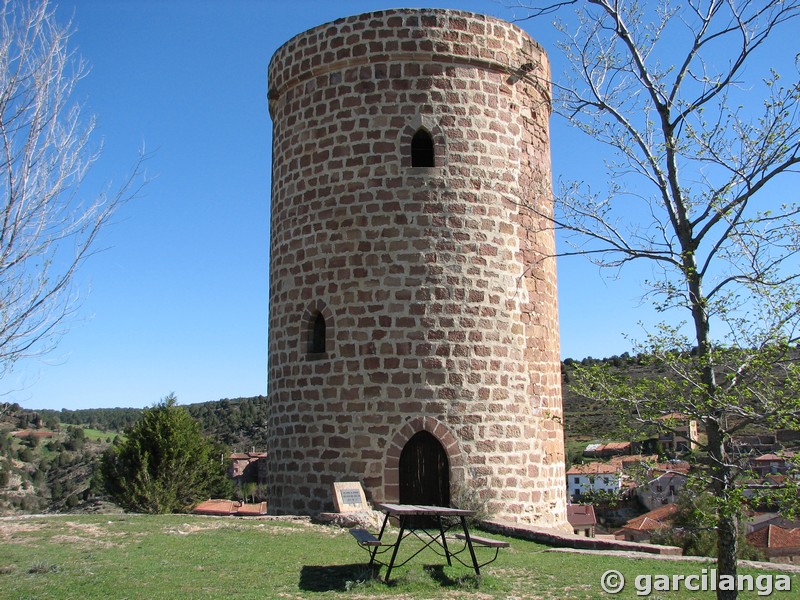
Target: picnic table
445	518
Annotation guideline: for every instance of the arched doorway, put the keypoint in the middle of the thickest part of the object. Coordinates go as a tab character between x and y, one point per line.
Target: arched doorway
424	472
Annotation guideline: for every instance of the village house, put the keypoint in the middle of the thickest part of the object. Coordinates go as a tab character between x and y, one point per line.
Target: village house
644	526
682	438
755	445
593	477
761	488
760	520
582	519
663	489
777	543
788	437
248	470
248	466
769	464
666	480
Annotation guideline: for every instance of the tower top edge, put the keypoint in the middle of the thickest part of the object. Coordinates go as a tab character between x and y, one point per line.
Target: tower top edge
401	33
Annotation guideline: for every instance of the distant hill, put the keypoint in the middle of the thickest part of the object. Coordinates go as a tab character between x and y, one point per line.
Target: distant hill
55	473
585	418
44	466
239	423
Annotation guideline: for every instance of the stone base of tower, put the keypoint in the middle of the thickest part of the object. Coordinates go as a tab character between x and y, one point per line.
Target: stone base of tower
533	494
547	514
517	480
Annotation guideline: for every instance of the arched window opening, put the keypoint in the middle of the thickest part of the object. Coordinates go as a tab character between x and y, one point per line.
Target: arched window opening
422	154
318	335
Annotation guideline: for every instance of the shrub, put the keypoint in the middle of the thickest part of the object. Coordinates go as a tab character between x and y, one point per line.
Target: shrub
165	464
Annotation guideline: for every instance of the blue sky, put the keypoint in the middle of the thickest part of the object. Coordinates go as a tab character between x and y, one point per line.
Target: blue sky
178	300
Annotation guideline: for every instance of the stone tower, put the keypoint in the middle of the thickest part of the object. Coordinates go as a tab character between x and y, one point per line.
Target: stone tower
413	326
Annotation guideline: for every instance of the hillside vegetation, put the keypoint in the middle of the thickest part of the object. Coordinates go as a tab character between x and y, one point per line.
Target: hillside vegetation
47	468
56	473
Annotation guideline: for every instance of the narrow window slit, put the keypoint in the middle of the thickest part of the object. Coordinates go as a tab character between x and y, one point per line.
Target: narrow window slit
422	154
318	335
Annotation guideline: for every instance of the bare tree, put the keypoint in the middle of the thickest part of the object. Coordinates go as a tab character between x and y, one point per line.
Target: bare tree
695	151
47	230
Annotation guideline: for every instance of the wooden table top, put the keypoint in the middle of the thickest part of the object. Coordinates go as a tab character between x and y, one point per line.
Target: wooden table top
416	509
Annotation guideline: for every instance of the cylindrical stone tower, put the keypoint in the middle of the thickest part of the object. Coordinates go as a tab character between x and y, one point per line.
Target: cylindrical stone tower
413	312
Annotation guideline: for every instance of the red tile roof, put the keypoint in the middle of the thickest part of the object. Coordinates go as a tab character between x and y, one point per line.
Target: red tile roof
581	514
250	510
769	458
593	468
653	520
216	507
677	466
617	446
773	536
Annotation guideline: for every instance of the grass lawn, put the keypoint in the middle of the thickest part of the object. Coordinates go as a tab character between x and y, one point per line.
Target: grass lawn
97	434
182	556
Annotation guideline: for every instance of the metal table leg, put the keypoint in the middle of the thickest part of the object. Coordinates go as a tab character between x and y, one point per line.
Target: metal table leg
396	546
469	545
380	536
444	541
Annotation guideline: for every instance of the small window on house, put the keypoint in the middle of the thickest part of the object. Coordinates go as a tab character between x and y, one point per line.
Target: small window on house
318	335
422	149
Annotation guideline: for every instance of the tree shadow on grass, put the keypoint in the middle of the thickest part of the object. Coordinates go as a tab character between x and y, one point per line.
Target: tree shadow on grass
340	578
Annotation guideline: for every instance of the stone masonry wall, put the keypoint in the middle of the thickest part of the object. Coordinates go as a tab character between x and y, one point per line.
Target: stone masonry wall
437	284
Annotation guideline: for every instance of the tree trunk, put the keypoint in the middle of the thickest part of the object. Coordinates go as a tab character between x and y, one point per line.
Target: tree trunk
727	527
727	521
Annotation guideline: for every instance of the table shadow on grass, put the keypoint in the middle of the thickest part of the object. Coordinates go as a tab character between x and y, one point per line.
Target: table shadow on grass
437	573
327	578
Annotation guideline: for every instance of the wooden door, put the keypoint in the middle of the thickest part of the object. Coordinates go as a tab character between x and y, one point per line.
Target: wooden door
424	472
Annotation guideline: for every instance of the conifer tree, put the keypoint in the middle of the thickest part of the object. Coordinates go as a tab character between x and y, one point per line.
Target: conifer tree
165	464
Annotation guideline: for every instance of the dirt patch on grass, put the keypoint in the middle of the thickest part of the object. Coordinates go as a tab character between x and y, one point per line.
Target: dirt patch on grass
10	531
84	534
290	528
92	535
190	528
273	526
83	542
